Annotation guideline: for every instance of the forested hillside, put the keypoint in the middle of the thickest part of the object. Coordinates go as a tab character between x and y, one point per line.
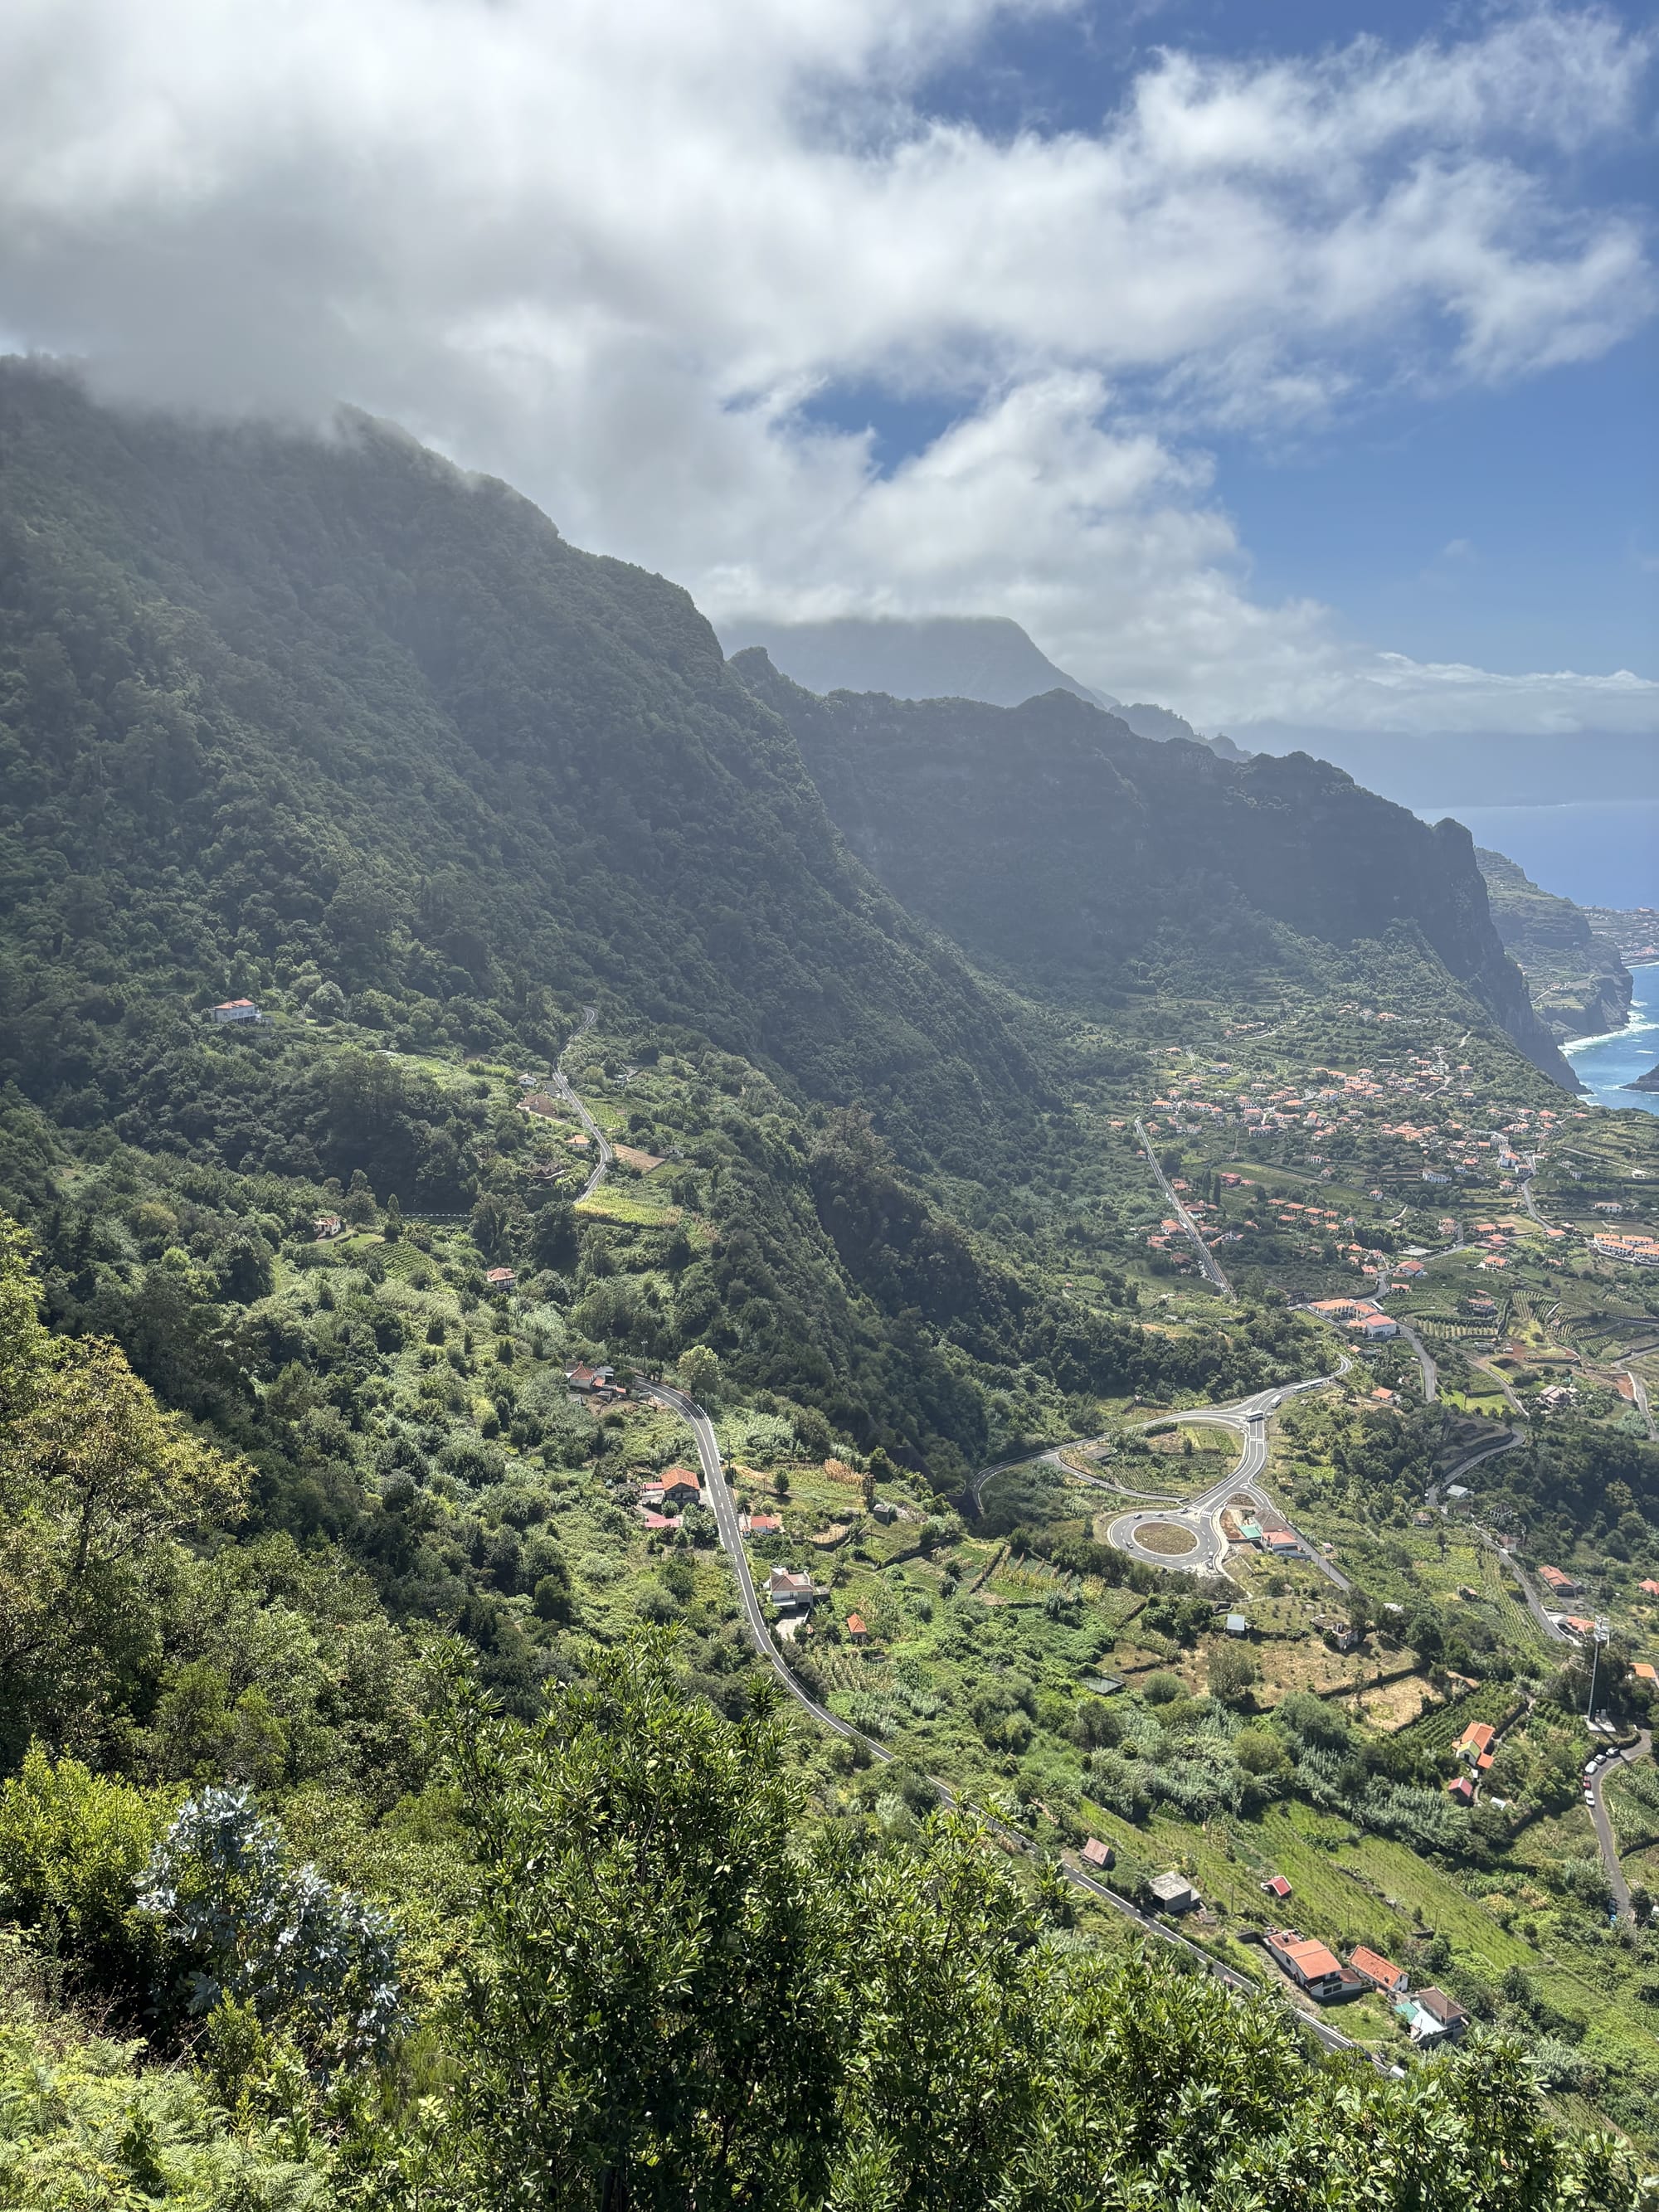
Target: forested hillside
1079	858
394	1809
329	713
393	1948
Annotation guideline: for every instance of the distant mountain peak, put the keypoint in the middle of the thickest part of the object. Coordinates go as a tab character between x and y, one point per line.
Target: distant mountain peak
984	657
988	658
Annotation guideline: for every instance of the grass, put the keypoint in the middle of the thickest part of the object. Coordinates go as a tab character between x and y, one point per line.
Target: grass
1163	1536
608	1203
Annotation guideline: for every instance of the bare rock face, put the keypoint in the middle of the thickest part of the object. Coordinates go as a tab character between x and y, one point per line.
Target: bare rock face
1578	983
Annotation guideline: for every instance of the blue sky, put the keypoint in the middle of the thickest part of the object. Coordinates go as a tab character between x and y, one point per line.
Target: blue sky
1516	525
1285	362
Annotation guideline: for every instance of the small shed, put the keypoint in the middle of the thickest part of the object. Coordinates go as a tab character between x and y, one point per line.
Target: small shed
1238	1624
1173	1892
1099	1855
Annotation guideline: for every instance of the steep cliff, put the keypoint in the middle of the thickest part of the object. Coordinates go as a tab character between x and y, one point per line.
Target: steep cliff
1051	841
274	705
1579	985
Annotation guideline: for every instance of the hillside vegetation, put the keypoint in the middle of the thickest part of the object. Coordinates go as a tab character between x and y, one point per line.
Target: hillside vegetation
625	1967
330	709
1051	841
395	1807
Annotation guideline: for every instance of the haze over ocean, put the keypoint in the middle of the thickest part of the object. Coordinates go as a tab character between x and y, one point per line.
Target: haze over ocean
1600	852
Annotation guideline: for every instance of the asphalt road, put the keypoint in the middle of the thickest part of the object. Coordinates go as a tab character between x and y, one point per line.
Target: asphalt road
1507	1442
1206	1258
562	1085
1425	1360
1503	1383
1535	1605
724	1510
1429	1371
726	1519
1604	1835
1527	1198
1639	1391
1200	1516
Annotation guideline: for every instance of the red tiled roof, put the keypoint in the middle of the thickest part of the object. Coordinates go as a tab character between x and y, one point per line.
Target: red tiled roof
1309	1959
1376	1968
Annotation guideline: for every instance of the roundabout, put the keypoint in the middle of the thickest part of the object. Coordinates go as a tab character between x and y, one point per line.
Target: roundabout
1190	1539
1166	1537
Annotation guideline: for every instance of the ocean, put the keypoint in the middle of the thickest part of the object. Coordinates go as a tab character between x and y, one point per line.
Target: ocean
1599	852
1606	1063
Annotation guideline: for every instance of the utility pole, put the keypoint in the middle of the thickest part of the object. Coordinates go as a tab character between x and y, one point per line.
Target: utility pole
1599	1638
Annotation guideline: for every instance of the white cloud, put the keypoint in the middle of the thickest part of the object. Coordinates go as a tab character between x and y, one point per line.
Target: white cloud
613	252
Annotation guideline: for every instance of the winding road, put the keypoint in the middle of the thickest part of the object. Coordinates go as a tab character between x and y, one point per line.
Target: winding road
1201	1517
726	1521
560	1083
1206	1258
1534	1605
1431	1373
1639	1394
1603	1823
731	1537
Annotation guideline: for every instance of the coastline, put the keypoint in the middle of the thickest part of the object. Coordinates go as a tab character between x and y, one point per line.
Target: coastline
1618	1058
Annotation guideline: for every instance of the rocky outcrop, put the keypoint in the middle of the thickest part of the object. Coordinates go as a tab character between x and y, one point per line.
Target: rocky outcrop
1578	984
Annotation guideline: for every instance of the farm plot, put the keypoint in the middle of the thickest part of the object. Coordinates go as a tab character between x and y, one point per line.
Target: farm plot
1495	1702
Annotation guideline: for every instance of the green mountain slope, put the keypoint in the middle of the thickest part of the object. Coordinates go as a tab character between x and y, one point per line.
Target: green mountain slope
1079	858
1579	985
278	711
330	726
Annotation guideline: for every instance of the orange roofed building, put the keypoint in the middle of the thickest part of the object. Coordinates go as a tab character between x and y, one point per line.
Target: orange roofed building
1317	1970
1381	1972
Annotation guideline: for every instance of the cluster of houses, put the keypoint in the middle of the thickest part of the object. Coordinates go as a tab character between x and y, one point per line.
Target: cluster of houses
1640	1251
1431	2017
1475	1746
1362	1315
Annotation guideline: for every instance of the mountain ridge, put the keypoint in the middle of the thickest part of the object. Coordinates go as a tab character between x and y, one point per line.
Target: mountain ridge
988	658
365	716
1049	836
